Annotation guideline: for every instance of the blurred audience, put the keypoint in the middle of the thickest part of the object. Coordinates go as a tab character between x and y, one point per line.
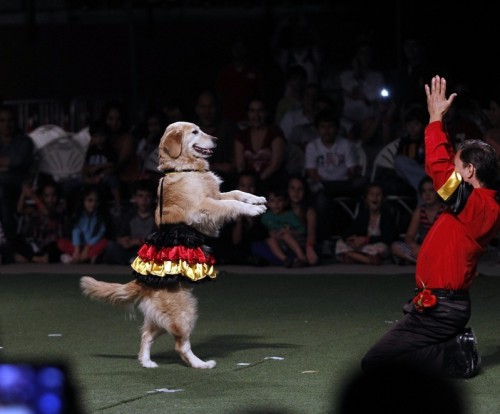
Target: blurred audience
16	162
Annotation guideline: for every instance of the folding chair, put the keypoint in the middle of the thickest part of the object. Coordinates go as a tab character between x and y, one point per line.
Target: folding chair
351	204
60	154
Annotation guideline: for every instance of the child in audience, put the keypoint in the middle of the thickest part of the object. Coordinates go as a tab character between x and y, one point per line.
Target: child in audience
134	226
42	222
234	246
371	233
301	205
100	164
89	230
424	216
284	229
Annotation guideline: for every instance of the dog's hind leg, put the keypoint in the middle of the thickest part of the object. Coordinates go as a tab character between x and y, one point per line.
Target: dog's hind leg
150	332
183	348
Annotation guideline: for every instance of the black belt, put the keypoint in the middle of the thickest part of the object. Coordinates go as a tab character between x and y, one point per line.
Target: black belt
448	294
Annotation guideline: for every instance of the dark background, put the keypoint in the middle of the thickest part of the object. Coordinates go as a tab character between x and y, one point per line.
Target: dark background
148	51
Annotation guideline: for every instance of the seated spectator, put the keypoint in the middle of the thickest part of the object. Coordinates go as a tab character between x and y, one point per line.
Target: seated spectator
148	138
209	119
128	165
100	165
284	229
42	222
296	41
304	114
134	226
301	204
424	216
234	244
302	134
333	169
90	229
410	157
260	147
361	83
238	80
16	160
371	233
296	80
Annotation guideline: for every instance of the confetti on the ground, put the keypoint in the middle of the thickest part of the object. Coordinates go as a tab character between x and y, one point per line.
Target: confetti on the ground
55	334
275	358
309	372
164	390
244	363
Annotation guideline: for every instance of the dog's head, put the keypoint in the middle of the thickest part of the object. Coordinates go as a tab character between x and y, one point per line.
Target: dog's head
185	145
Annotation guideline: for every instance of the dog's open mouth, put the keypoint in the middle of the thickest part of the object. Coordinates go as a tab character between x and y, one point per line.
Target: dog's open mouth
205	152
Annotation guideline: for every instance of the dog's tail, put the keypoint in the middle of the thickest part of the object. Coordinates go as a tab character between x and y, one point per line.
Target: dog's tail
114	293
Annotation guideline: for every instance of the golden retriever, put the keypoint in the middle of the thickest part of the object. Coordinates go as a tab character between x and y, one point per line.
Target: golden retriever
190	208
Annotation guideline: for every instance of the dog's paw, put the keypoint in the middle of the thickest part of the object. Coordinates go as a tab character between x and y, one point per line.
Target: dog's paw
206	365
149	364
259	200
252	199
256	209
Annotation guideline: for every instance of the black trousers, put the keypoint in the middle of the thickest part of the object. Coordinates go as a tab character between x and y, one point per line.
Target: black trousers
426	339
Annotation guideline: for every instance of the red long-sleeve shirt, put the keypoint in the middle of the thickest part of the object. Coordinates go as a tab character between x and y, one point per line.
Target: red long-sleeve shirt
451	250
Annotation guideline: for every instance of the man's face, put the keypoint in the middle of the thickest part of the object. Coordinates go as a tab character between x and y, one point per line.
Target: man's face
327	131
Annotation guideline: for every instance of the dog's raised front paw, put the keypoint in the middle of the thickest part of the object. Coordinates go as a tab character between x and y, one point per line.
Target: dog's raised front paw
259	200
256	209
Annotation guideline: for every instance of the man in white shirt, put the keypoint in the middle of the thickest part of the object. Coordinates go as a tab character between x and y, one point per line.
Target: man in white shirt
333	169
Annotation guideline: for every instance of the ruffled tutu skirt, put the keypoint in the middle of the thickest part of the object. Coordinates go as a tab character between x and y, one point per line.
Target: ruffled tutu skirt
174	253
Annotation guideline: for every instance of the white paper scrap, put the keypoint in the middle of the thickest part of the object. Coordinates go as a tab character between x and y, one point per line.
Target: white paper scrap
275	358
309	372
55	334
165	390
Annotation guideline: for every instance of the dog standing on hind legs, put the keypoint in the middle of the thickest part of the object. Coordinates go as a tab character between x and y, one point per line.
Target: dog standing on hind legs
174	259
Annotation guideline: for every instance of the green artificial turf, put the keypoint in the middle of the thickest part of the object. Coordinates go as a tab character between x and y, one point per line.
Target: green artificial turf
283	343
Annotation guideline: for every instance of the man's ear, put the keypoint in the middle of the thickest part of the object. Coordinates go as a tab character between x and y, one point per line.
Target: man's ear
471	170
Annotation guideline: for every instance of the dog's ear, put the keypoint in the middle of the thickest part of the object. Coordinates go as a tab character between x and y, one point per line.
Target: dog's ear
171	142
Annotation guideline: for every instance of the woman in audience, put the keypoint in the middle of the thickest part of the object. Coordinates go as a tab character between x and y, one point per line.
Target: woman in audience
371	233
260	147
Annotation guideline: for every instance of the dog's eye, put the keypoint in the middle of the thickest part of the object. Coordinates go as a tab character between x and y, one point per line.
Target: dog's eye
195	131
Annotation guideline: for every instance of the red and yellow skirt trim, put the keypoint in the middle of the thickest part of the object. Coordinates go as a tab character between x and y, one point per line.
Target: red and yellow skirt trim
192	263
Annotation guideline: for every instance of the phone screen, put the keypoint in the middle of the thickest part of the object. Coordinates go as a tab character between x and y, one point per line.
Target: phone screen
27	388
